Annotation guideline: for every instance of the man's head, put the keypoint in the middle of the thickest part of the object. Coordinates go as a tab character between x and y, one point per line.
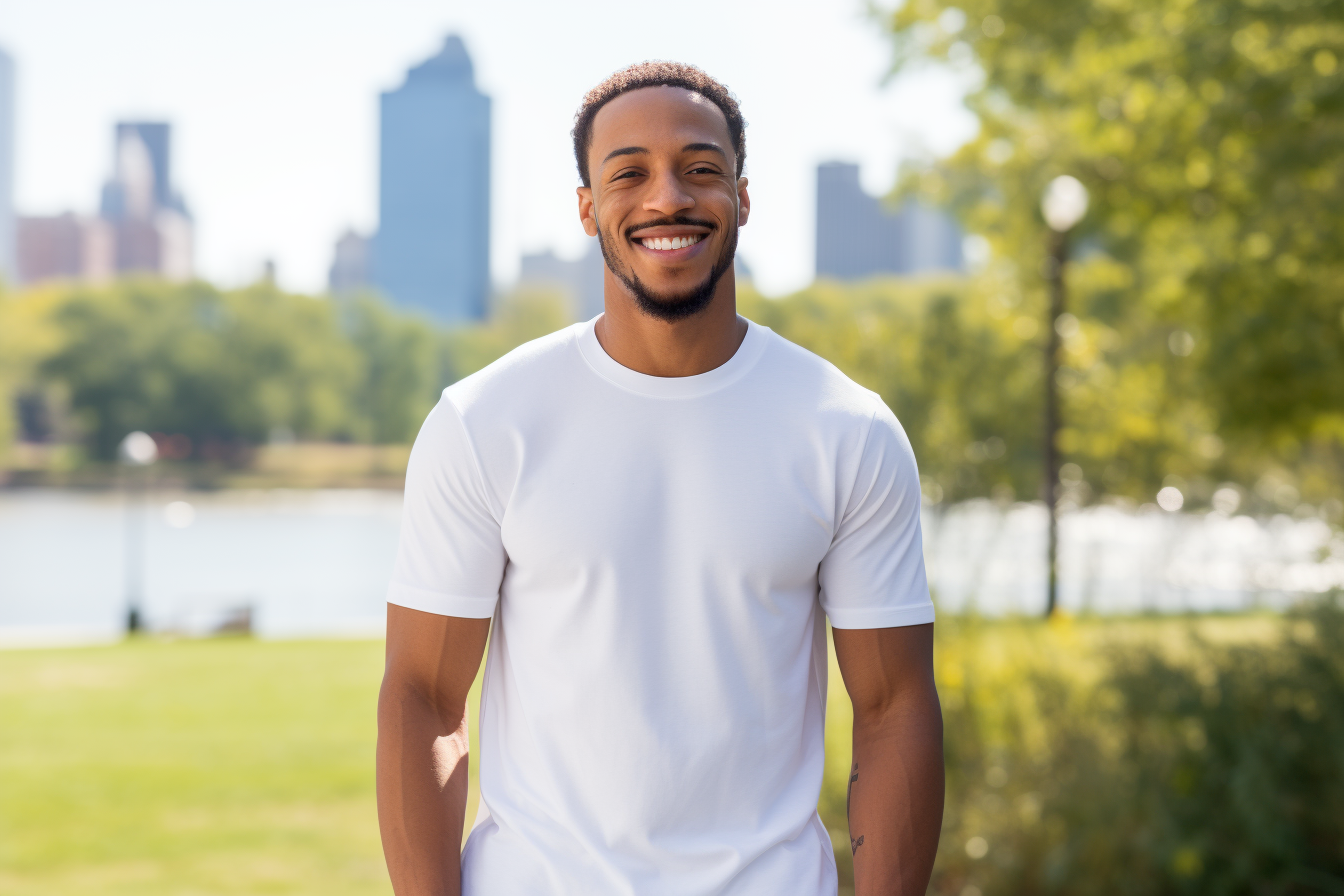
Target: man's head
660	148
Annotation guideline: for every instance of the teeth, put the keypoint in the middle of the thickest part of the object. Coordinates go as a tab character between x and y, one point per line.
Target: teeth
666	243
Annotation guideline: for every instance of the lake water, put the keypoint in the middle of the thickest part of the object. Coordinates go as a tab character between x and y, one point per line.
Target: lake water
316	563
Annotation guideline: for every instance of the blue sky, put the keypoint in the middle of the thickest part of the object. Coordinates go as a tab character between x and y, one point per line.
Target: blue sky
274	104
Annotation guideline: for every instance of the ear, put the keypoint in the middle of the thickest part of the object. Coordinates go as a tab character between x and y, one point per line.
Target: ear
587	213
743	202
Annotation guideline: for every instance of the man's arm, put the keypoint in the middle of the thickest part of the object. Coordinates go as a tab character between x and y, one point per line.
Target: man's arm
422	747
896	779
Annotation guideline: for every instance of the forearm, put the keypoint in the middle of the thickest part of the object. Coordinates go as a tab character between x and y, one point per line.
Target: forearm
422	792
896	796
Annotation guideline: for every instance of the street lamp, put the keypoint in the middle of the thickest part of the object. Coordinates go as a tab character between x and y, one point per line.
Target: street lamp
137	452
1062	206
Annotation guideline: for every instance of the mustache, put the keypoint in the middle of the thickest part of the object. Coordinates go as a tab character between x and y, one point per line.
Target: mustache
667	222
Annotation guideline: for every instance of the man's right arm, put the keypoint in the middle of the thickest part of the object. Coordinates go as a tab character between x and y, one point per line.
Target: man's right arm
422	747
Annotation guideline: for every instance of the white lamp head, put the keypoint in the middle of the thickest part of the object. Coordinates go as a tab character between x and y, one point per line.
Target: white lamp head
1064	203
138	449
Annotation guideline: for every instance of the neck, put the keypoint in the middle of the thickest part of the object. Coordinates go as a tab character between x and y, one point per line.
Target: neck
649	345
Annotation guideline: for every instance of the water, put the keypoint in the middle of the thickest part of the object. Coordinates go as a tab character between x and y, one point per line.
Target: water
316	563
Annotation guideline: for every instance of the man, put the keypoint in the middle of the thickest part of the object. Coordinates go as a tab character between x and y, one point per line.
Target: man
656	508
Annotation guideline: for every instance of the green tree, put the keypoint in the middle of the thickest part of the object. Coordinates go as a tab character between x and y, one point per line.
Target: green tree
223	369
1210	135
403	369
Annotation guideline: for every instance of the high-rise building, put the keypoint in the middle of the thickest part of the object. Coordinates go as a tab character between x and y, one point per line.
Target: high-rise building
349	264
580	280
153	230
143	225
8	268
858	237
432	250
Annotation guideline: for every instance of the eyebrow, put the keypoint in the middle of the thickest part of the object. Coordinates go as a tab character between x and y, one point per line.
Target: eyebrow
704	147
689	147
624	151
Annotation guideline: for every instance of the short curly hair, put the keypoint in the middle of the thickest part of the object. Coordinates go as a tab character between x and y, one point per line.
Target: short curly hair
656	74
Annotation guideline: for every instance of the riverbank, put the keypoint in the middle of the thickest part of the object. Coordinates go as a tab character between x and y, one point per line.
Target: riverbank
304	465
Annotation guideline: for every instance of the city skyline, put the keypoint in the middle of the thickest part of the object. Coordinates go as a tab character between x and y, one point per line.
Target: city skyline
280	156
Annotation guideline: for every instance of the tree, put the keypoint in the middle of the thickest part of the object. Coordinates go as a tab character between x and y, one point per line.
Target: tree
1210	134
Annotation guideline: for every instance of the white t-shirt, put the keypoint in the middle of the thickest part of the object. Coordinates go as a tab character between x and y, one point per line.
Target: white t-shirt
657	554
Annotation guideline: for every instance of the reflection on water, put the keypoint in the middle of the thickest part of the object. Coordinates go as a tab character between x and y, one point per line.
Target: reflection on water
317	562
305	562
1113	560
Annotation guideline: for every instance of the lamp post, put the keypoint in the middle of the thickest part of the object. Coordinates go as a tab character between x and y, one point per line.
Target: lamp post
137	453
1062	206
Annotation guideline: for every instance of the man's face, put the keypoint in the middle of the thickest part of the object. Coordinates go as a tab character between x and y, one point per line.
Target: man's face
665	201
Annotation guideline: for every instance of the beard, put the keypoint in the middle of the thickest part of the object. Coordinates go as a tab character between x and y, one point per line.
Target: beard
676	306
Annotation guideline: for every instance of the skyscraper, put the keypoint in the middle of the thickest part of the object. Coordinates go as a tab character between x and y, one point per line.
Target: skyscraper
152	227
858	237
8	268
432	250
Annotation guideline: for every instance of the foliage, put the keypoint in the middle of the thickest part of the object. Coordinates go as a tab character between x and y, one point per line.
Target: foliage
1209	134
213	374
1134	757
1215	768
959	361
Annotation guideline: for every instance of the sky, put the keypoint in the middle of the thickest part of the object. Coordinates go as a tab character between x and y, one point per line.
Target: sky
274	106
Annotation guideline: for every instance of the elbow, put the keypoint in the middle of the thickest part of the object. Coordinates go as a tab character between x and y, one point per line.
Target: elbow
902	711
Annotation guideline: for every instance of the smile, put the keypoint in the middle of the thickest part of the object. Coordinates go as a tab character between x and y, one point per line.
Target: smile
666	243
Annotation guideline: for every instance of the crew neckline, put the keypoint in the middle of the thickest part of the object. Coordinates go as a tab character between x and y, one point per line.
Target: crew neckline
727	373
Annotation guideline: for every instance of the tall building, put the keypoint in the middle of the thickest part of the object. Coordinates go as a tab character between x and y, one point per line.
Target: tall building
153	230
8	269
858	237
143	225
580	280
432	250
349	270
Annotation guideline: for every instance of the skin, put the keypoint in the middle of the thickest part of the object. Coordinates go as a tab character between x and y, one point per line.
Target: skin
896	777
684	166
658	153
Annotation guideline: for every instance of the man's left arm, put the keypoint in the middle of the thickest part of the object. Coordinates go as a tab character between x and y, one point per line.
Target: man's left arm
896	778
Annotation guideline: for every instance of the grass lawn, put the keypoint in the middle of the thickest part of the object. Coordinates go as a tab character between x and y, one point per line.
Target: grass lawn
234	766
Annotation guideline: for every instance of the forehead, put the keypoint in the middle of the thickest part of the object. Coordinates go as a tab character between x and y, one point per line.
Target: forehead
659	118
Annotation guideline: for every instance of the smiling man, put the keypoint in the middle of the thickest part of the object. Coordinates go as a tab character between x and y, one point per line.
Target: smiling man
659	509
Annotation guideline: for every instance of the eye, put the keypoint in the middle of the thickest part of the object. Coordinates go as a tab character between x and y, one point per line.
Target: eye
627	173
703	169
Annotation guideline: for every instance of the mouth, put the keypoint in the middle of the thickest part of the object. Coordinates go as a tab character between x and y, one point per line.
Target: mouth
670	243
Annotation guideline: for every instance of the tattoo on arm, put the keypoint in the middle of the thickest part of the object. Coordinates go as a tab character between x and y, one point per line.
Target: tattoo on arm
849	795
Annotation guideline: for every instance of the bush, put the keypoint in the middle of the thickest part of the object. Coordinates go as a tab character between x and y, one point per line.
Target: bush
1187	766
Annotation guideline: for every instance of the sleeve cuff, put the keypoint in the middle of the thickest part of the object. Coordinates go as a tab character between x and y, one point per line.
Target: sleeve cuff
880	617
441	604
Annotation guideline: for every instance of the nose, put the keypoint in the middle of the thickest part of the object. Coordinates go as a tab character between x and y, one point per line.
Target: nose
666	195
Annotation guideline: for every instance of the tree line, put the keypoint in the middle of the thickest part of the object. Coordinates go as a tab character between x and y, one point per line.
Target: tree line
958	358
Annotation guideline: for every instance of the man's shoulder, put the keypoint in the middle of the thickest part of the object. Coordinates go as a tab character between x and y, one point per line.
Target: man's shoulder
524	373
817	385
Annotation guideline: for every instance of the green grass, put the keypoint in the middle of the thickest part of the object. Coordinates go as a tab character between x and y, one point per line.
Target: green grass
236	766
225	766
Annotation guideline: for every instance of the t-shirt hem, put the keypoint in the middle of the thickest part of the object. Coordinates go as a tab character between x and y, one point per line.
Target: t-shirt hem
441	604
884	617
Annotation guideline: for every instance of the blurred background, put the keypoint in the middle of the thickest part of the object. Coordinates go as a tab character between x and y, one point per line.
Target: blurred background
1088	253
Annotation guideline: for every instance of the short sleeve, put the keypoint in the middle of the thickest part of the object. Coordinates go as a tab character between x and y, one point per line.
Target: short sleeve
873	574
450	558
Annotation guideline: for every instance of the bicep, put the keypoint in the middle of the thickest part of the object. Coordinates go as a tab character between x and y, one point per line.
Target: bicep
437	656
885	667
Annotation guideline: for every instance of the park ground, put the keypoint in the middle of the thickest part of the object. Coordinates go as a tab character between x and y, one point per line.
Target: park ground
234	765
